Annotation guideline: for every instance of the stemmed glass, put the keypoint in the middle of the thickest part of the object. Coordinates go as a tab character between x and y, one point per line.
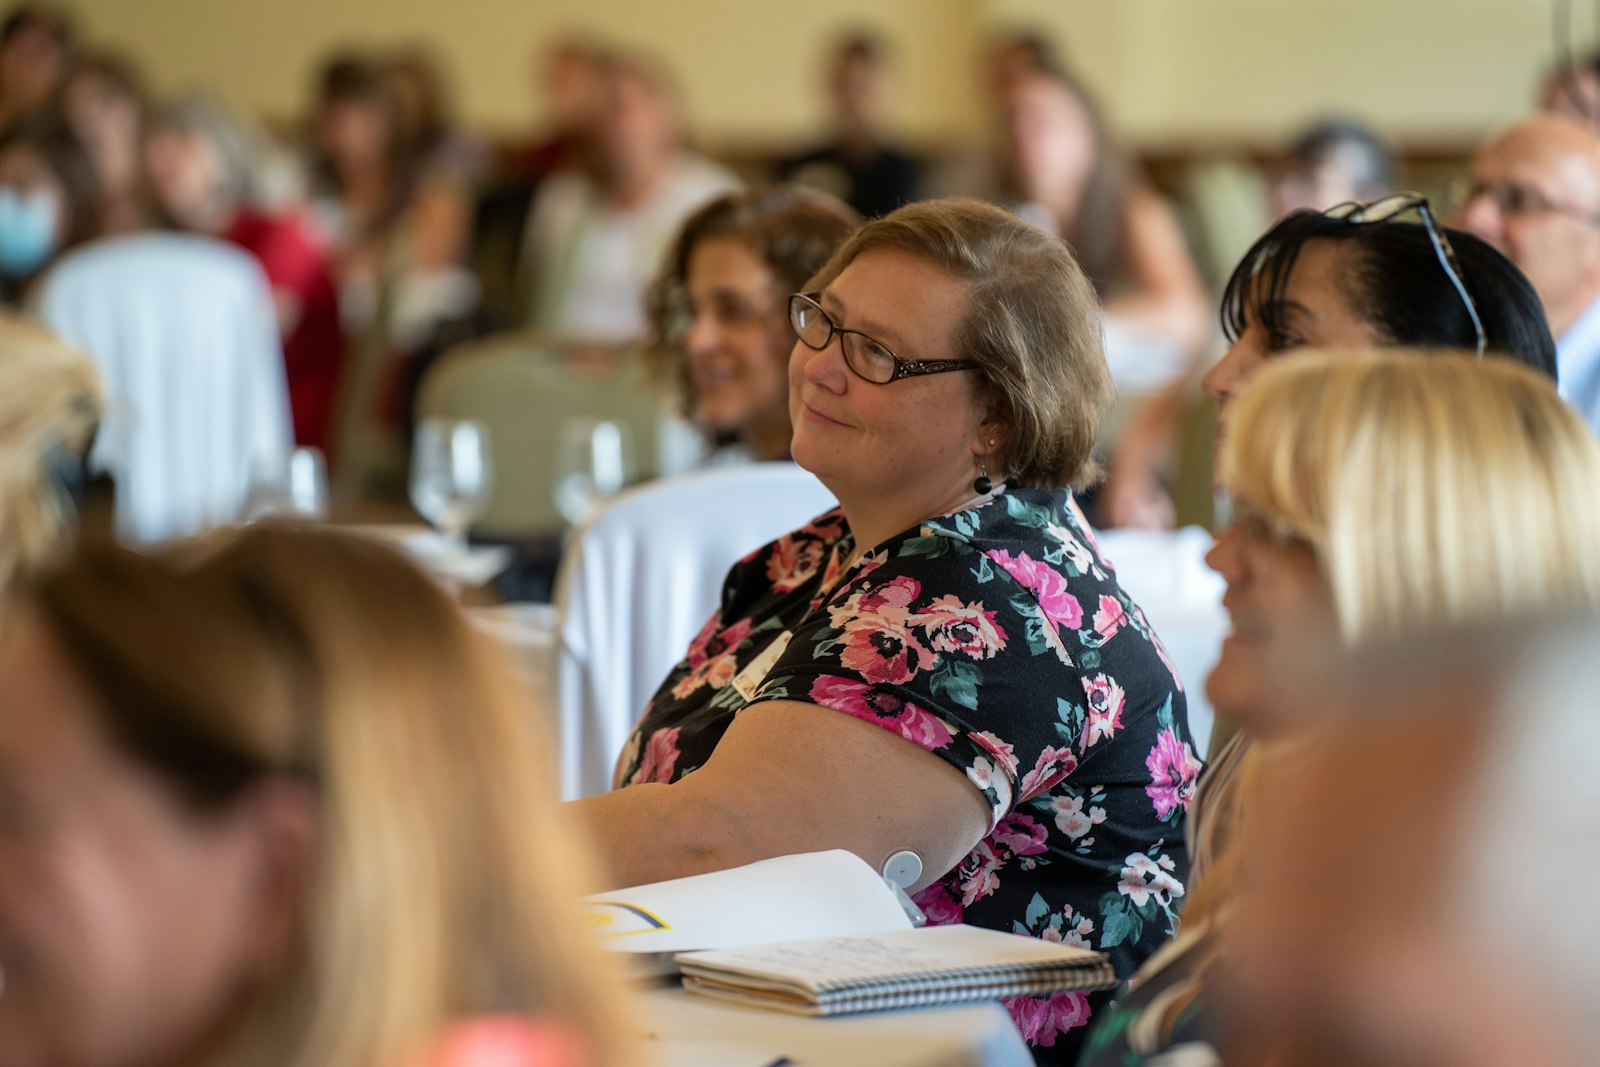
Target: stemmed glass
591	466
294	483
451	477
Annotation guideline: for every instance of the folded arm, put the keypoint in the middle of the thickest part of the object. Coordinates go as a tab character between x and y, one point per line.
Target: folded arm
791	777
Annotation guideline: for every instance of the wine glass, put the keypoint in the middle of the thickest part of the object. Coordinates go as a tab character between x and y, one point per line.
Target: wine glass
591	466
451	477
293	483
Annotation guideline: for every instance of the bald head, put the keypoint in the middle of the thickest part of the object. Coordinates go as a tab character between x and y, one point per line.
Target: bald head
1536	197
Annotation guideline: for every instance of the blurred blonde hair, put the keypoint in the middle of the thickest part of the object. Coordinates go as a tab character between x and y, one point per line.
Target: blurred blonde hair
49	406
445	877
1436	491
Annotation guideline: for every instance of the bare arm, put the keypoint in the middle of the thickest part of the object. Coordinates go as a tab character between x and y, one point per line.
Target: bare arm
791	777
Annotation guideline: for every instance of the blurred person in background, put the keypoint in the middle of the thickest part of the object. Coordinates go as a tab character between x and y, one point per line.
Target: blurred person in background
1534	193
858	164
398	229
1064	174
568	77
721	309
1337	161
38	44
1573	89
597	234
203	166
106	105
427	122
270	799
50	403
1354	278
50	202
1378	497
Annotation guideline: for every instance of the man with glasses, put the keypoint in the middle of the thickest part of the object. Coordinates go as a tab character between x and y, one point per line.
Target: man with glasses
1534	193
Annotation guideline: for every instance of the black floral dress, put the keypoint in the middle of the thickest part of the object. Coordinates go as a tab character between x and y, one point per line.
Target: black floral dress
998	639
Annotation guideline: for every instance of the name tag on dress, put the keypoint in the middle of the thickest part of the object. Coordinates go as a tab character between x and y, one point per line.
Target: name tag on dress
747	681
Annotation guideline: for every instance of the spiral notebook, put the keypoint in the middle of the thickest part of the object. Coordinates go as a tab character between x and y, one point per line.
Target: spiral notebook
899	969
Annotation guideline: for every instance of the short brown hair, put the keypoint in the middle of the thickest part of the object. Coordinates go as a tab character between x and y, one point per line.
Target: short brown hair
1032	324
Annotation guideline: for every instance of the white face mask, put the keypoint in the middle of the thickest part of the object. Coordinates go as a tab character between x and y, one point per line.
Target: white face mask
27	230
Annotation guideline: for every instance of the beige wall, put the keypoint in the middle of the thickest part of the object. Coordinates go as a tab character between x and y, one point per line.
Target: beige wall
1249	70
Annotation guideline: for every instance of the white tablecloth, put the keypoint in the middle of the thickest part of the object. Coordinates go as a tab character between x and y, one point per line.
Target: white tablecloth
683	1030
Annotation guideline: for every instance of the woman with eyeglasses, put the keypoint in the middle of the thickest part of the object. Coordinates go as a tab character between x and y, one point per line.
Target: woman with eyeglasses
944	665
721	309
1378	496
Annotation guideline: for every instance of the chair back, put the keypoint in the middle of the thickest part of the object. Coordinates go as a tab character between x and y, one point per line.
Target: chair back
638	583
184	332
526	394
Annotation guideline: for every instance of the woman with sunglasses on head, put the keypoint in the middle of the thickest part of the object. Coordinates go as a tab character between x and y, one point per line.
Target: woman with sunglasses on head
944	665
1378	496
1362	276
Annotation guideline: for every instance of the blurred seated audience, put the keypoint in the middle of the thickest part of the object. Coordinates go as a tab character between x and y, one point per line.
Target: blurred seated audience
1534	193
38	45
203	163
598	232
1353	277
928	640
1337	161
106	105
49	406
271	799
721	309
1063	172
858	163
50	202
1377	497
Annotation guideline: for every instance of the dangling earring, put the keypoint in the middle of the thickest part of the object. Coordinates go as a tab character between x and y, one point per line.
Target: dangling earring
981	484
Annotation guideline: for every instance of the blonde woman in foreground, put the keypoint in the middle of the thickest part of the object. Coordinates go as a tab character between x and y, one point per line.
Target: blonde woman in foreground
1378	497
265	798
49	405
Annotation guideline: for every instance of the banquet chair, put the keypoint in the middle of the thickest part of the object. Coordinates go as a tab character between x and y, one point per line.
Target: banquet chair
526	395
637	584
1166	574
184	332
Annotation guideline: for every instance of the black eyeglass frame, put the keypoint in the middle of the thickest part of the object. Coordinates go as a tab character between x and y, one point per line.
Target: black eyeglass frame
903	368
1386	209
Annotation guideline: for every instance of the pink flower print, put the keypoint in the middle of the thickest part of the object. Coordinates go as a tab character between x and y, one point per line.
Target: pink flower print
940	905
1106	701
892	600
1053	766
997	748
980	873
793	562
713	657
1173	771
1043	1019
1109	617
1144	878
952	626
884	648
1047	585
993	784
660	758
1019	835
865	702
